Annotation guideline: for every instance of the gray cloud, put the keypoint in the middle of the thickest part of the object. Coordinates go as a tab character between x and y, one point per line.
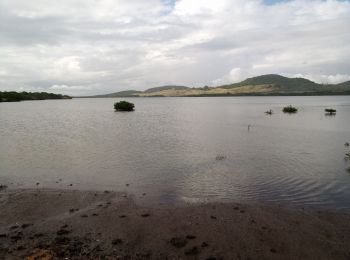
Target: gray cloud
87	46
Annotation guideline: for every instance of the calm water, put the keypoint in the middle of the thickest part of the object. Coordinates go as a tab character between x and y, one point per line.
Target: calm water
167	148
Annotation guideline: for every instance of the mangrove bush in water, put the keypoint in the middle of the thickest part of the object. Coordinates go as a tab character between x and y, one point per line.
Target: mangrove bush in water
124	106
330	111
290	109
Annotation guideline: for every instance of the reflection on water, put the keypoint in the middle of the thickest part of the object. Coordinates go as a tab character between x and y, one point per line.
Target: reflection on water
169	148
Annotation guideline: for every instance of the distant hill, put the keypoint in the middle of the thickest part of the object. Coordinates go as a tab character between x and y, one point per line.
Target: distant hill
12	96
283	83
156	89
265	85
125	93
345	84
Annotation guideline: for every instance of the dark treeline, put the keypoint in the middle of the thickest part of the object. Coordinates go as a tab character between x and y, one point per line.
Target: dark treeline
12	96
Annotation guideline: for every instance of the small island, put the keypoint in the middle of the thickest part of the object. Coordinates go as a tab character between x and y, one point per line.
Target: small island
13	96
124	106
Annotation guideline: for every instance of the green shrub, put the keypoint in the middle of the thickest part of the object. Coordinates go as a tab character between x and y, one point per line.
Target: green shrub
124	106
330	111
290	109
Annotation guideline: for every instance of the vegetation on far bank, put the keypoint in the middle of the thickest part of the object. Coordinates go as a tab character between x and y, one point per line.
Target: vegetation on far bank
13	96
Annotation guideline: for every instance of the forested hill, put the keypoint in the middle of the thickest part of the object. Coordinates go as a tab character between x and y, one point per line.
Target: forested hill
12	96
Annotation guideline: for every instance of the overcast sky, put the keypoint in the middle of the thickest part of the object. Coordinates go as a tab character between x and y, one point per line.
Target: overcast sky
83	47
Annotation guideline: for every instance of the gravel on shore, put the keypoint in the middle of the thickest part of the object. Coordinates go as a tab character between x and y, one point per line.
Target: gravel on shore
61	224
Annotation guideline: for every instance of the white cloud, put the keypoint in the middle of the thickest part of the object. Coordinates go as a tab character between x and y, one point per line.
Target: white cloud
65	87
325	79
110	45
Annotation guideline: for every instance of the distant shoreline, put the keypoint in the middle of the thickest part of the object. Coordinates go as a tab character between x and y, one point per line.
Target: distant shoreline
234	95
88	224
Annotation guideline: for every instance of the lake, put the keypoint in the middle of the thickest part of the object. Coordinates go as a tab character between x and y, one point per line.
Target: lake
182	149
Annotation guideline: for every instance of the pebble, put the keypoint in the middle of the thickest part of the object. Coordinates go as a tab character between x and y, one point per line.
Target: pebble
178	242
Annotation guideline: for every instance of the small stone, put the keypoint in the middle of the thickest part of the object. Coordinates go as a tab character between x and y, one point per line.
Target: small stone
190	237
204	244
3	187
272	250
212	217
25	225
62	240
62	232
178	242
84	216
145	215
117	241
192	251
122	216
14	227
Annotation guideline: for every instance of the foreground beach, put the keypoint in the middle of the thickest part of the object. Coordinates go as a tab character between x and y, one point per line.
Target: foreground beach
55	224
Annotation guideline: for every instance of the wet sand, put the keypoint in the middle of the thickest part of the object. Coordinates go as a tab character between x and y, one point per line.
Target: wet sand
58	224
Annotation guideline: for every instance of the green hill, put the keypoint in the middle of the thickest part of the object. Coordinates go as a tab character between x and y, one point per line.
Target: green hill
282	83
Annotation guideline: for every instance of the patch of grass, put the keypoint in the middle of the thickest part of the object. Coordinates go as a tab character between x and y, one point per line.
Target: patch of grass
290	109
124	106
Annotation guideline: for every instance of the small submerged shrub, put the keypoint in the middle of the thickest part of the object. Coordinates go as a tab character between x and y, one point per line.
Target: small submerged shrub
269	112
290	110
220	157
124	106
330	111
347	156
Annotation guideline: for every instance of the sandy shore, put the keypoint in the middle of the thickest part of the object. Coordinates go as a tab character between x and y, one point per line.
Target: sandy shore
57	224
